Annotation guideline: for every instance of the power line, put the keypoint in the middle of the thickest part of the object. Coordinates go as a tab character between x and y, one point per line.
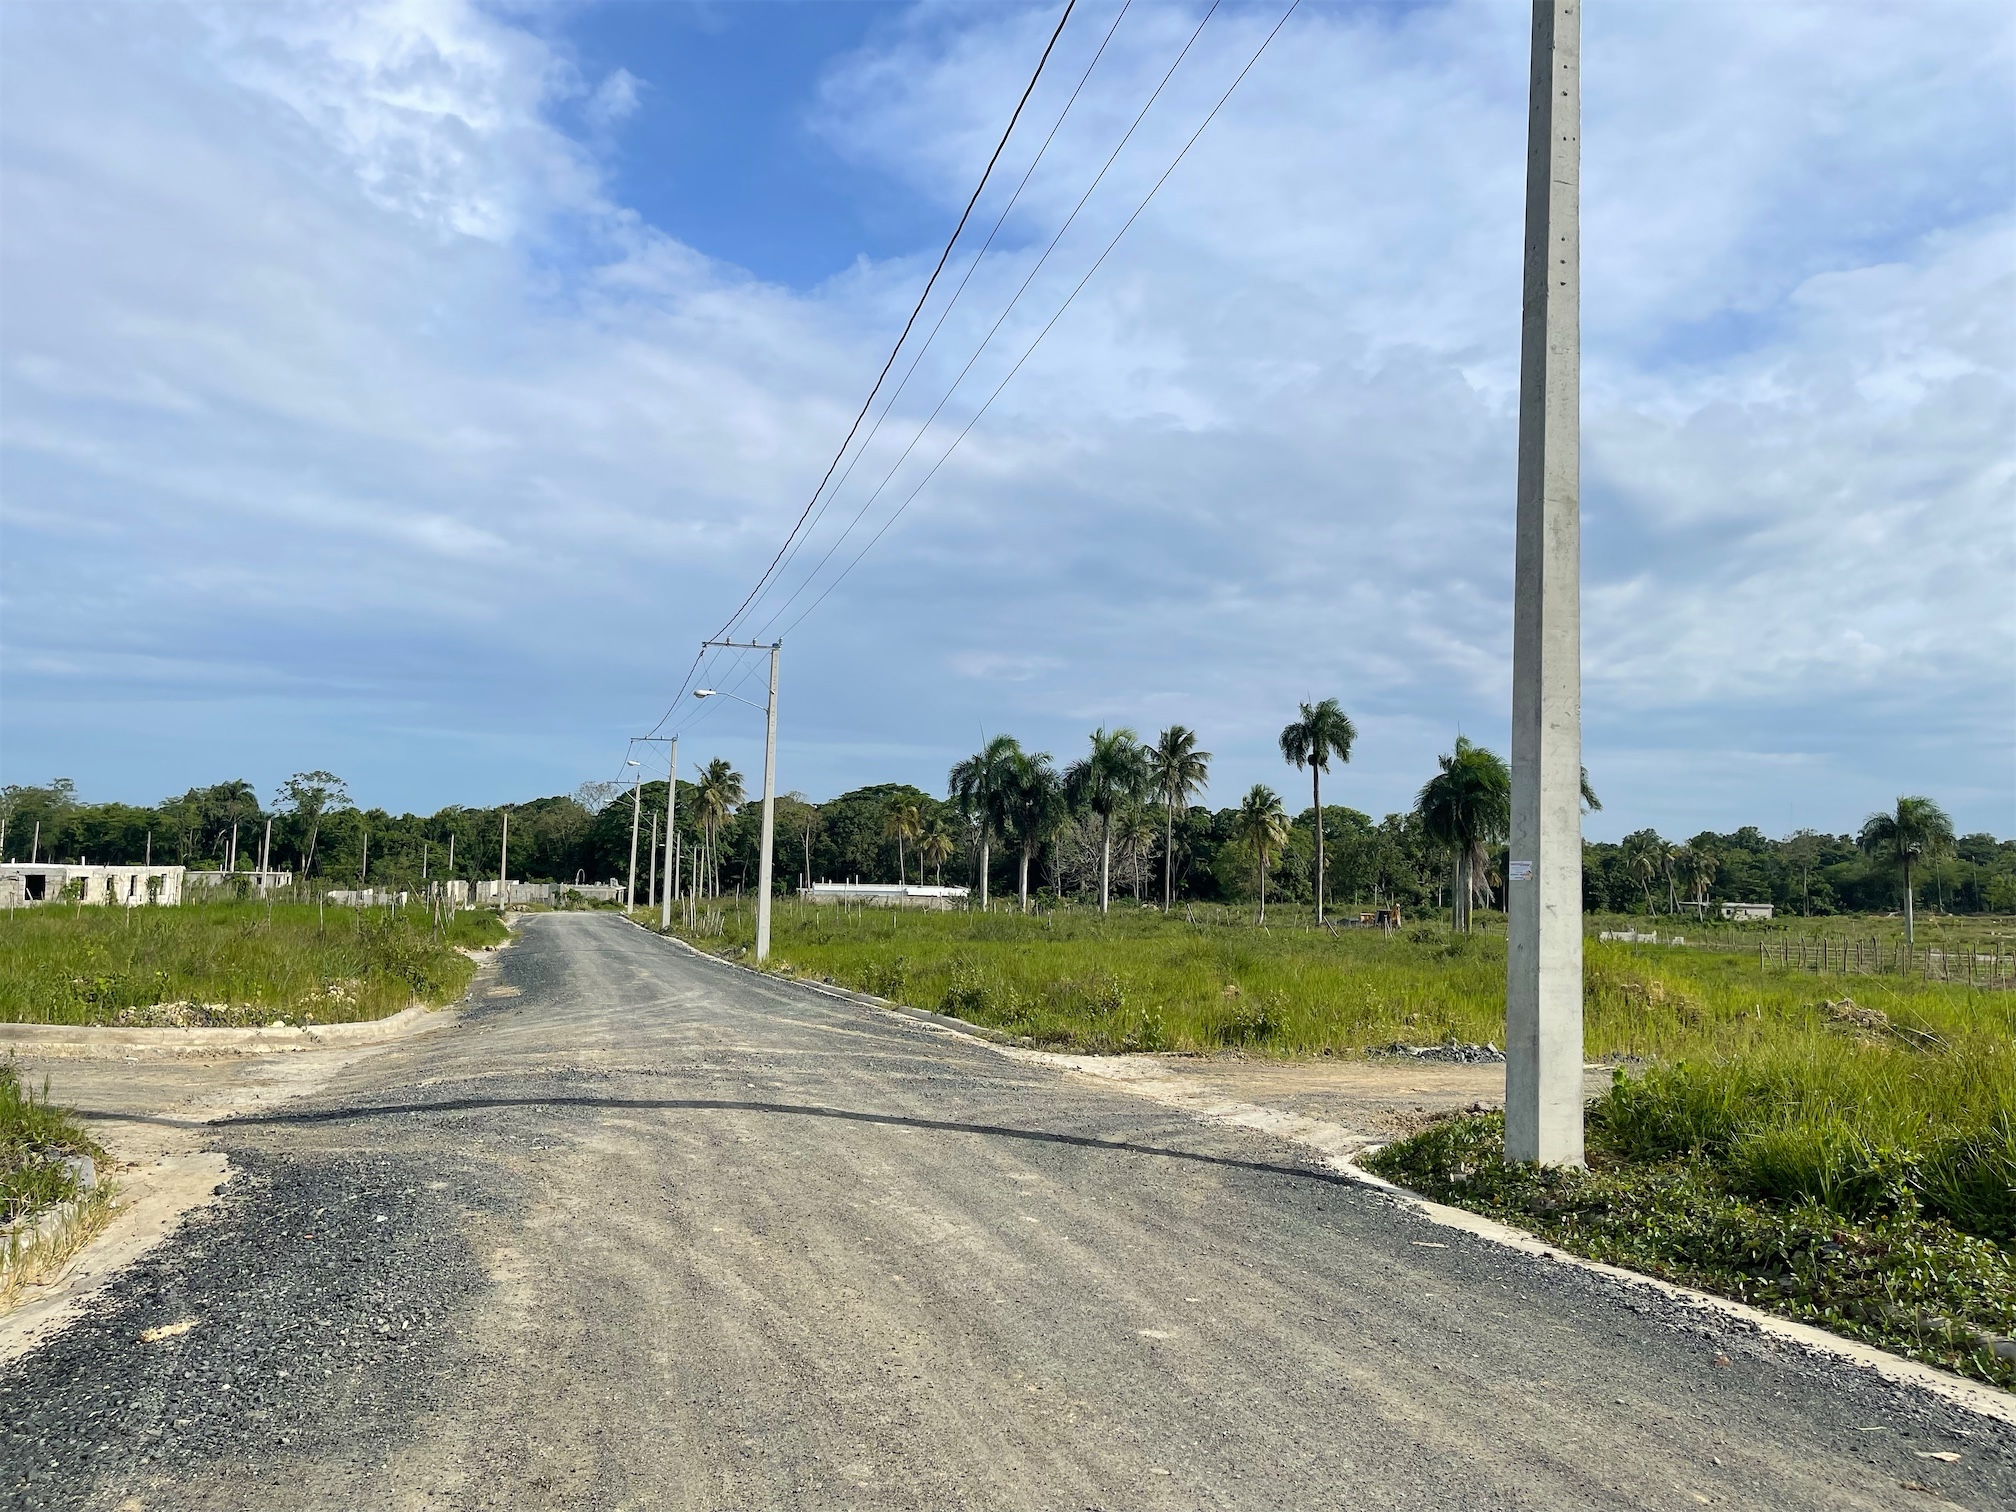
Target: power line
1293	6
945	313
930	283
1097	179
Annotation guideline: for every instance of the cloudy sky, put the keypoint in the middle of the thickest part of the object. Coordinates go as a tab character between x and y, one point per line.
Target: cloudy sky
406	389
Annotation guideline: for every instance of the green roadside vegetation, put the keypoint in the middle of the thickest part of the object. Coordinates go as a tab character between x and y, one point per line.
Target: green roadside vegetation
231	963
33	1139
1839	1148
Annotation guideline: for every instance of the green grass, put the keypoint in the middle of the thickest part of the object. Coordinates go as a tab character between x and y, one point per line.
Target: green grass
30	1131
1878	1261
246	962
1135	980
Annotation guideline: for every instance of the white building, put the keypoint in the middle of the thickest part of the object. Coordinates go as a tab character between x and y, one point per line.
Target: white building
27	884
885	894
1742	911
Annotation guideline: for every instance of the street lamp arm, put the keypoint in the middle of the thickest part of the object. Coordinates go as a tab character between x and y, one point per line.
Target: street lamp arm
718	693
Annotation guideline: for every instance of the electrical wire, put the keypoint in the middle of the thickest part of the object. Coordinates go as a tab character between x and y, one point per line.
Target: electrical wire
1293	6
929	284
686	683
1097	179
943	314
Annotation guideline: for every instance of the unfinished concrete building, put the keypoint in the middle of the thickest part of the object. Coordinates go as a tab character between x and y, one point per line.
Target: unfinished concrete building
29	884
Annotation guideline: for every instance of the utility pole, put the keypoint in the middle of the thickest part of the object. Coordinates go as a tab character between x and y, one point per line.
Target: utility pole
1543	997
769	814
266	848
504	865
763	866
671	839
651	886
636	813
671	809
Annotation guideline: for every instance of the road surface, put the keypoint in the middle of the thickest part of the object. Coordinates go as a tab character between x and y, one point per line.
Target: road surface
645	1231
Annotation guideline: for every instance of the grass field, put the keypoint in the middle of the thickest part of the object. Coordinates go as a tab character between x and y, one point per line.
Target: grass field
229	963
1840	1148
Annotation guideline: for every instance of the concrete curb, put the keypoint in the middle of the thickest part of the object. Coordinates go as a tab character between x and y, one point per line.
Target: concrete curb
90	1040
1325	1140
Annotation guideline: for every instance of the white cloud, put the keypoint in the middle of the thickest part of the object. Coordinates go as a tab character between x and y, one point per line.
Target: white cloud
615	99
329	323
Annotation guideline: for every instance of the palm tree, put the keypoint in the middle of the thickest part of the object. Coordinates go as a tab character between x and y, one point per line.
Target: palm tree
1323	730
1916	830
1643	864
1464	808
1264	826
1178	771
1035	803
980	787
935	845
1698	865
1104	781
716	796
1135	831
904	822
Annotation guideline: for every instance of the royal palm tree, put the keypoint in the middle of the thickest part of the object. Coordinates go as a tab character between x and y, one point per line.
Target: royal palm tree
904	822
1323	730
1263	825
1916	830
1035	804
935	846
1464	808
1112	774
1178	771
980	788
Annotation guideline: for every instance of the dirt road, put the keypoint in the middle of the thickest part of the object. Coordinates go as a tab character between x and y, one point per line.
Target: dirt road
644	1231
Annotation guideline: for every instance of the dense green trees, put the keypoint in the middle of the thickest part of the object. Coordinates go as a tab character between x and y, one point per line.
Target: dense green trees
1068	837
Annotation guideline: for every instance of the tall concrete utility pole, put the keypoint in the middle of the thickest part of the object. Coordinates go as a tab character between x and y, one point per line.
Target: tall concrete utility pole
651	873
769	815
504	864
636	813
763	868
1543	990
671	856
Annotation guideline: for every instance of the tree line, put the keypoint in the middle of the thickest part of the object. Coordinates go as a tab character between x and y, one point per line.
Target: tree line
1121	820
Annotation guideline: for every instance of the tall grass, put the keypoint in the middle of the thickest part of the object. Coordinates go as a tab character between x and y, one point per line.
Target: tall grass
249	961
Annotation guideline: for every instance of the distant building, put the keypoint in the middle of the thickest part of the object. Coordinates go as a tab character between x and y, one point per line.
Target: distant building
1746	910
28	884
885	894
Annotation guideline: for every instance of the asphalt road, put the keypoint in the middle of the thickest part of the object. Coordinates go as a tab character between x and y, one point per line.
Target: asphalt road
653	1232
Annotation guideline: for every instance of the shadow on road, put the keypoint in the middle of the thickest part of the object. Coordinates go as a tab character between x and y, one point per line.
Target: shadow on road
789	1110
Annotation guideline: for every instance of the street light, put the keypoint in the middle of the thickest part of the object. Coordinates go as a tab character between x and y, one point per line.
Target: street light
763	869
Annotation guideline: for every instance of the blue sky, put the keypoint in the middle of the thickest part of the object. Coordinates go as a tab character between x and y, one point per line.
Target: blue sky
405	389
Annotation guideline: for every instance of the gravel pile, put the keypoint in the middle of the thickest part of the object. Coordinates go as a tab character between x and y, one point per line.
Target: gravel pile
1451	1054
